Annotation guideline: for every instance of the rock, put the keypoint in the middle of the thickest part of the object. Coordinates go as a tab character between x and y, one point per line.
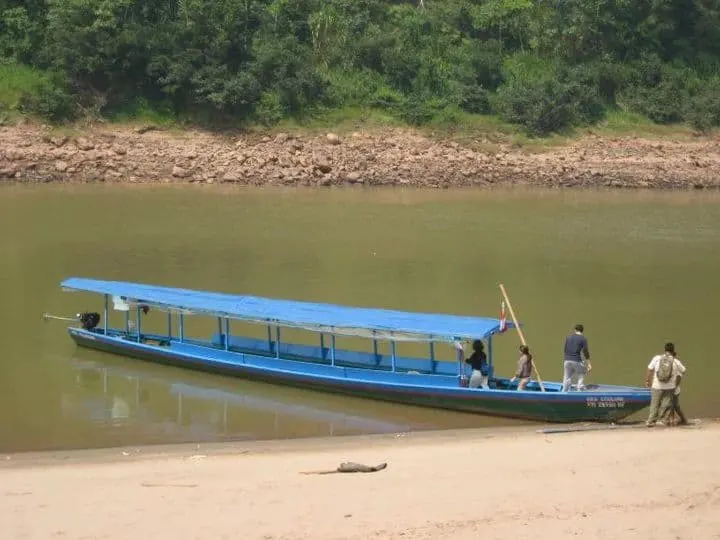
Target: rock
61	166
59	142
354	178
179	172
7	172
322	163
242	158
84	144
282	138
332	138
145	129
265	139
232	176
119	150
324	167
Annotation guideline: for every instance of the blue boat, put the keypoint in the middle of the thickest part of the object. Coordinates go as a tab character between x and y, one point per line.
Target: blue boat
428	382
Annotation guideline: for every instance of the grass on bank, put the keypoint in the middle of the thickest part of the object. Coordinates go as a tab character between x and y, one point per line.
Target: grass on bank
17	81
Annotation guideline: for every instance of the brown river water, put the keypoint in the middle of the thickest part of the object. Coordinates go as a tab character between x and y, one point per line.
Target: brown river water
636	268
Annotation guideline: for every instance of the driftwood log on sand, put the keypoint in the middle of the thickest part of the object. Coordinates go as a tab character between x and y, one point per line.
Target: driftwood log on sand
350	467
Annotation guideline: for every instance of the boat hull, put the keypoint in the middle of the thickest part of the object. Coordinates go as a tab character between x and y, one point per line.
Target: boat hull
561	407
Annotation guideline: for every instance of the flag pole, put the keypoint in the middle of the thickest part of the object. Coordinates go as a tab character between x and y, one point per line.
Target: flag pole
520	333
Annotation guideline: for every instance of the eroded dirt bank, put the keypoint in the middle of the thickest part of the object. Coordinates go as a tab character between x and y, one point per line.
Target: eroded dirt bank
33	153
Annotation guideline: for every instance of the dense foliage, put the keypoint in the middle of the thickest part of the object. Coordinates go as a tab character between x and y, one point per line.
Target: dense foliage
544	64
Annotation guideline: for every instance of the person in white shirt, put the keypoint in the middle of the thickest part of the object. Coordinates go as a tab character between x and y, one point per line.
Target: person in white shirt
676	411
663	377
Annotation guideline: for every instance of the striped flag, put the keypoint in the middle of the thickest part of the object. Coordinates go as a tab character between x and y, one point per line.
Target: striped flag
503	320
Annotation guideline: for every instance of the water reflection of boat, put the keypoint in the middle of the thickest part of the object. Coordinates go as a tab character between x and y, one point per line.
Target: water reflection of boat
141	401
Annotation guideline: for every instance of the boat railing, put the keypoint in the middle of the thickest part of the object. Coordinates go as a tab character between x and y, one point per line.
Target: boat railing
353	363
343	357
303	353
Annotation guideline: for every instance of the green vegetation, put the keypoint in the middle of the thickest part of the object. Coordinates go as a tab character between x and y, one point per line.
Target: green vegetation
544	66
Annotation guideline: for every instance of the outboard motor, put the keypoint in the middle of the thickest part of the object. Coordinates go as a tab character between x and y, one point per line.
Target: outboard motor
89	320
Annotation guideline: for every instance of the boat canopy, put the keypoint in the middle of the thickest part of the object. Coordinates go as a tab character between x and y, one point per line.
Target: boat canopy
327	318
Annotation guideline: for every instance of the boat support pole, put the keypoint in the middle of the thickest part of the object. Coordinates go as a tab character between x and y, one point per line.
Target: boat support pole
322	345
181	326
105	315
332	350
393	354
433	362
460	356
169	325
277	340
227	334
138	321
375	352
270	343
520	332
127	323
490	353
220	329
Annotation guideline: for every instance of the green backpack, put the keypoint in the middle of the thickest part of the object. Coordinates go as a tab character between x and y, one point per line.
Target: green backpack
665	368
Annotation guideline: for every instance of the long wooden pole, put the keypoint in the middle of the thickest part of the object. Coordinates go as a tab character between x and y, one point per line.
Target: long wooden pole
520	333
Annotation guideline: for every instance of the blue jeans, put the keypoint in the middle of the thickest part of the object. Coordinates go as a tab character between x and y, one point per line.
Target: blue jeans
572	370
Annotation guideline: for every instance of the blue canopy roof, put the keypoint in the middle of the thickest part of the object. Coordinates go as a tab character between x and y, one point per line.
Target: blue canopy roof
378	323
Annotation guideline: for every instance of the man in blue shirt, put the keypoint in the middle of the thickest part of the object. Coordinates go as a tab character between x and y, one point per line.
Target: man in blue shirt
576	346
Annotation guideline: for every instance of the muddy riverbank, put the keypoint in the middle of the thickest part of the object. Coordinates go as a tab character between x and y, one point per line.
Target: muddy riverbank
115	154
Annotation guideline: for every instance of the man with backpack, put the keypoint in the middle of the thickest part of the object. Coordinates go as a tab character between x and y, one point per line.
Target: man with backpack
663	376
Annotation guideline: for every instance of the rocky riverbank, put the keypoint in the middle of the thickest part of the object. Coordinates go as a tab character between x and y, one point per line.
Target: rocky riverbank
32	153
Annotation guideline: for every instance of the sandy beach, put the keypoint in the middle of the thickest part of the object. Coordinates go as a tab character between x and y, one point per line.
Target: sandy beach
623	483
